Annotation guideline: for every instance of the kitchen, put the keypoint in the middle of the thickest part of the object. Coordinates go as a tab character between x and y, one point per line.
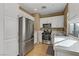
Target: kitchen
25	26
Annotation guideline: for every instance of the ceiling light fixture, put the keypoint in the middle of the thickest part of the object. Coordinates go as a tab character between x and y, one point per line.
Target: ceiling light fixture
35	9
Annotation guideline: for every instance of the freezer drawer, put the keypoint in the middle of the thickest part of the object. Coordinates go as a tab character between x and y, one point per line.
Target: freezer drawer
28	46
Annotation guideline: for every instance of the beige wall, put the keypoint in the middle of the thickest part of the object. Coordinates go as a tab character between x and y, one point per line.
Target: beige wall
36	27
37	22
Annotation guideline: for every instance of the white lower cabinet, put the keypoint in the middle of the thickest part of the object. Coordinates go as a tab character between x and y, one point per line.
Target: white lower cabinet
1	36
35	37
11	47
40	36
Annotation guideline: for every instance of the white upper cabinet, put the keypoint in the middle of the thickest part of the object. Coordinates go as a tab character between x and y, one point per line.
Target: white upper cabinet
56	22
11	27
11	9
73	11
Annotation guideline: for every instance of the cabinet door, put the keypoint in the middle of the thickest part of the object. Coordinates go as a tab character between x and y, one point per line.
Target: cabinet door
73	10
1	29
11	29
11	36
11	47
11	9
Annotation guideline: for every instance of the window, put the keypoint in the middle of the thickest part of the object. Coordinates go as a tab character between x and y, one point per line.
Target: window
74	29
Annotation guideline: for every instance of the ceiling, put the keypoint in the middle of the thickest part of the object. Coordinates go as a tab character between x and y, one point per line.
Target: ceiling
43	8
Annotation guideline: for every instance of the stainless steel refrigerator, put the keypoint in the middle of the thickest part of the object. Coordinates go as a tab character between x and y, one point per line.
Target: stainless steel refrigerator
26	35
